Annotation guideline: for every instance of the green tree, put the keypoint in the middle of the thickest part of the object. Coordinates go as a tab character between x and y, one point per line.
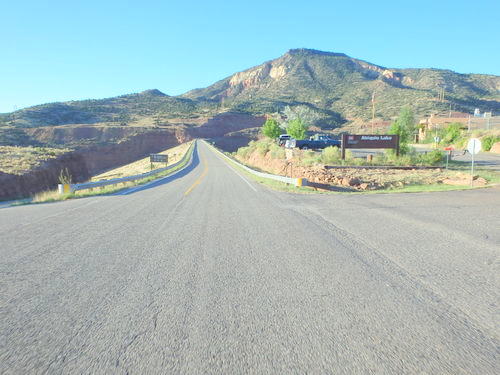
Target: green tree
452	132
404	126
271	128
297	128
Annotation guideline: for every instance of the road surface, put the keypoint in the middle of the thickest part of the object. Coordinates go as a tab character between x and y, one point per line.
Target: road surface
210	272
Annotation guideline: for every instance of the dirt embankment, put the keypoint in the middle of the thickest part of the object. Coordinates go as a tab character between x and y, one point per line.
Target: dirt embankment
225	123
100	148
354	178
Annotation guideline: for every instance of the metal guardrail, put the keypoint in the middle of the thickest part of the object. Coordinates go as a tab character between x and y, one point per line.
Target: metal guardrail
286	180
70	188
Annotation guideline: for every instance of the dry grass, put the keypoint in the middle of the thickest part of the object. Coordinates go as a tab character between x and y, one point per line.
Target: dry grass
46	196
53	195
19	160
143	165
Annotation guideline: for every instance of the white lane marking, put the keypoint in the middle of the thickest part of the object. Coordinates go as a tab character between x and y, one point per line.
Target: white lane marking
234	170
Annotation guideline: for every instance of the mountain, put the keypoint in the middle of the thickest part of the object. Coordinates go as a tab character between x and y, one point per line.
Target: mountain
334	87
334	83
123	109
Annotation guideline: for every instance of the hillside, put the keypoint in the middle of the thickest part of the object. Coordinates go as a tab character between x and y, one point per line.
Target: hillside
127	109
336	87
334	83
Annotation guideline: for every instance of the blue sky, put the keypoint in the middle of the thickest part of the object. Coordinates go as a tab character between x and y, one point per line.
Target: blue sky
65	50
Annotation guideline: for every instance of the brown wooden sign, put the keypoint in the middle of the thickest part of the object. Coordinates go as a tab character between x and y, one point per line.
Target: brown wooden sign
369	141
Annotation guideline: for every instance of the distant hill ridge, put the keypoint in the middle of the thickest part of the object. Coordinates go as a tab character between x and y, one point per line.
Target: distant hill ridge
336	87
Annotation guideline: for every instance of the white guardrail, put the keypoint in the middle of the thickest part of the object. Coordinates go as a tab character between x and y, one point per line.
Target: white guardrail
70	188
286	180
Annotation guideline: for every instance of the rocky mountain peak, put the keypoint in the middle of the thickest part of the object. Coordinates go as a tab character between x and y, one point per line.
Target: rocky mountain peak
312	52
152	92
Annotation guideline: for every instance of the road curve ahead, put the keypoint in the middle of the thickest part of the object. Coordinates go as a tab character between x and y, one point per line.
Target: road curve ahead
209	272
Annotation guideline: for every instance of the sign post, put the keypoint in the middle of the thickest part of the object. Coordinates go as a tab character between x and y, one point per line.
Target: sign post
448	150
436	141
474	146
158	158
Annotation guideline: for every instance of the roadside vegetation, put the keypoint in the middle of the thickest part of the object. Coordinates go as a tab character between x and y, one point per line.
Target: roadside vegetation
332	156
53	195
381	181
18	160
424	171
404	126
456	135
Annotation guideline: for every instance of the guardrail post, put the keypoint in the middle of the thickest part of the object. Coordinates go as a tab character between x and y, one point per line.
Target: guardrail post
64	188
300	182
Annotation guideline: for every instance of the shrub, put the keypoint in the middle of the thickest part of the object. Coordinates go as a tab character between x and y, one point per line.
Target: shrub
262	147
311	160
432	158
359	161
243	152
277	152
65	176
488	141
349	158
461	142
403	160
330	155
380	159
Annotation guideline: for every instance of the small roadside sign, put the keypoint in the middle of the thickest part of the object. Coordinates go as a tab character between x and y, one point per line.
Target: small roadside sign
158	158
474	146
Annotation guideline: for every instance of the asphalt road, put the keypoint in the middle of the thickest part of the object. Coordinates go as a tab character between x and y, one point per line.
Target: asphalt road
210	272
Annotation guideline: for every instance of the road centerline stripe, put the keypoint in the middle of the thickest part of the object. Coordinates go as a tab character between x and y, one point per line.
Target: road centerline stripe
198	180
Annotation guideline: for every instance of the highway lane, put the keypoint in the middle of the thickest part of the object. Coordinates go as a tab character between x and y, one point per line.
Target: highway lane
213	273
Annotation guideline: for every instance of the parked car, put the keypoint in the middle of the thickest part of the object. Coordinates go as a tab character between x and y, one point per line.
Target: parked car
318	141
282	139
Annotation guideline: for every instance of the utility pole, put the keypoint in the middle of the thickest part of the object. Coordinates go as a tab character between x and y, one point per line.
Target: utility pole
441	94
373	112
